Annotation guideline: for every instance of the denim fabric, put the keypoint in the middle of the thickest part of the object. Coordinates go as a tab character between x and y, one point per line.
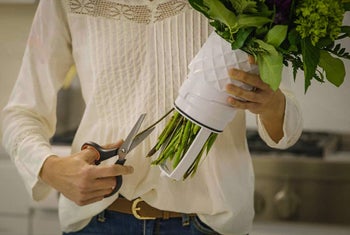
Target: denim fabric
115	223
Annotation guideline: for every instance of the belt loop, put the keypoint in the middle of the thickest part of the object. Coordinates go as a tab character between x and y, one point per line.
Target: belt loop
185	220
166	214
101	217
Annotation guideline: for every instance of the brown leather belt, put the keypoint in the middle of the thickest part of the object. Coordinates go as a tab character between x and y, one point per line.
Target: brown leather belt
140	209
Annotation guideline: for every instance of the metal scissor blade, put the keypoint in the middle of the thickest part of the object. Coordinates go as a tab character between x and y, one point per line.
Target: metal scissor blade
140	137
143	134
125	148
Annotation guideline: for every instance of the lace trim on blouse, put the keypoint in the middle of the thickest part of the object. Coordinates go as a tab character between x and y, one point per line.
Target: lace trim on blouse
148	12
19	139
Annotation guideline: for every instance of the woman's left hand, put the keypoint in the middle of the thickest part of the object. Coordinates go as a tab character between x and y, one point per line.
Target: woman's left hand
261	100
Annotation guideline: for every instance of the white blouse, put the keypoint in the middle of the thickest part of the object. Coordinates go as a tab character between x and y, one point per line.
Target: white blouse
131	57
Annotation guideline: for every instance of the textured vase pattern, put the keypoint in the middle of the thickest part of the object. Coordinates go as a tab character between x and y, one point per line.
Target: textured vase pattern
202	97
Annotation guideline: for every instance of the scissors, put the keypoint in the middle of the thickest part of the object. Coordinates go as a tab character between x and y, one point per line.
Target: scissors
132	140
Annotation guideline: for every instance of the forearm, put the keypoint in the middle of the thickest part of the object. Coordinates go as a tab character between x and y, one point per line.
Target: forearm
26	140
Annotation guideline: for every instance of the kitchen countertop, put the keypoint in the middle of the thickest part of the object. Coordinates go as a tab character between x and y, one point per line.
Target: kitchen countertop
298	228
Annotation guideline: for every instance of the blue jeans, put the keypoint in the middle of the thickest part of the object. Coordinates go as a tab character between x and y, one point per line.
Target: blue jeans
115	223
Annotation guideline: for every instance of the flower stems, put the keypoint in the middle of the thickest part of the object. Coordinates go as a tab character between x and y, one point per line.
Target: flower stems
176	139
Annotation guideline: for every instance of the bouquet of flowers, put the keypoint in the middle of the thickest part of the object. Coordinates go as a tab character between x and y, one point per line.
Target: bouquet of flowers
276	33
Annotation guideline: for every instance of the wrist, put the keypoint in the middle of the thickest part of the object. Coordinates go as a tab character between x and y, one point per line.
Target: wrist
47	169
273	117
276	110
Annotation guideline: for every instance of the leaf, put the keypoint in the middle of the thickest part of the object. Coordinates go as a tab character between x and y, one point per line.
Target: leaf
334	68
345	29
200	6
270	65
294	39
240	38
216	10
337	47
346	5
244	5
311	57
325	42
252	21
276	35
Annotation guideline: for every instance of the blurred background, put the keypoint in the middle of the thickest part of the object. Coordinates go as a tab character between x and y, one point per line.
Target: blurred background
302	190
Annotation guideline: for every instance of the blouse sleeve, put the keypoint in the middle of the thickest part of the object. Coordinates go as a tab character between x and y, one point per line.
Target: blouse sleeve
293	121
29	118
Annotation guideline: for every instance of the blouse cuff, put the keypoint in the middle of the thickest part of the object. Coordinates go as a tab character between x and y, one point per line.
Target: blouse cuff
40	190
37	189
292	125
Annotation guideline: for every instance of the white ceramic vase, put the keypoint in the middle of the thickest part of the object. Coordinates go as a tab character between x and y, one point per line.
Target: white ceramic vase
202	97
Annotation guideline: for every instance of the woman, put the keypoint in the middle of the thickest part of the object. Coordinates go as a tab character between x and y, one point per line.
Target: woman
131	58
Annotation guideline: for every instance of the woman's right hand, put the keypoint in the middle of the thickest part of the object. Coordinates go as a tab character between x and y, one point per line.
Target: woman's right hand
79	179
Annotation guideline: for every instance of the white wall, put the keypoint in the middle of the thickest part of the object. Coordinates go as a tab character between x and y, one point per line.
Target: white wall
324	106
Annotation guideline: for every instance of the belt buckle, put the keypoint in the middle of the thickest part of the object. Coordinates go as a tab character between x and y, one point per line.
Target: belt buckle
135	209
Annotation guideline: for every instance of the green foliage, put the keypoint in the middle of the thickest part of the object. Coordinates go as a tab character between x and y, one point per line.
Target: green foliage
311	57
334	68
305	41
319	18
339	51
276	35
270	64
346	5
241	6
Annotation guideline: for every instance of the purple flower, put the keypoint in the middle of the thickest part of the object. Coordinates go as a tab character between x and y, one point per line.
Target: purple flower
282	8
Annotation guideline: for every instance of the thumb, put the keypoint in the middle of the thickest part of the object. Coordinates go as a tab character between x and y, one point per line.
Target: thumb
91	154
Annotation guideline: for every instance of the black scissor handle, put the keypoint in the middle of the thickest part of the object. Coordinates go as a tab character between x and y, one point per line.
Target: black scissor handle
102	153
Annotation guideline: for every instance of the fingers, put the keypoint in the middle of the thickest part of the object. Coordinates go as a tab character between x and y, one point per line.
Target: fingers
248	78
251	59
112	170
103	184
101	177
87	182
242	104
260	100
244	95
259	94
97	181
85	198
